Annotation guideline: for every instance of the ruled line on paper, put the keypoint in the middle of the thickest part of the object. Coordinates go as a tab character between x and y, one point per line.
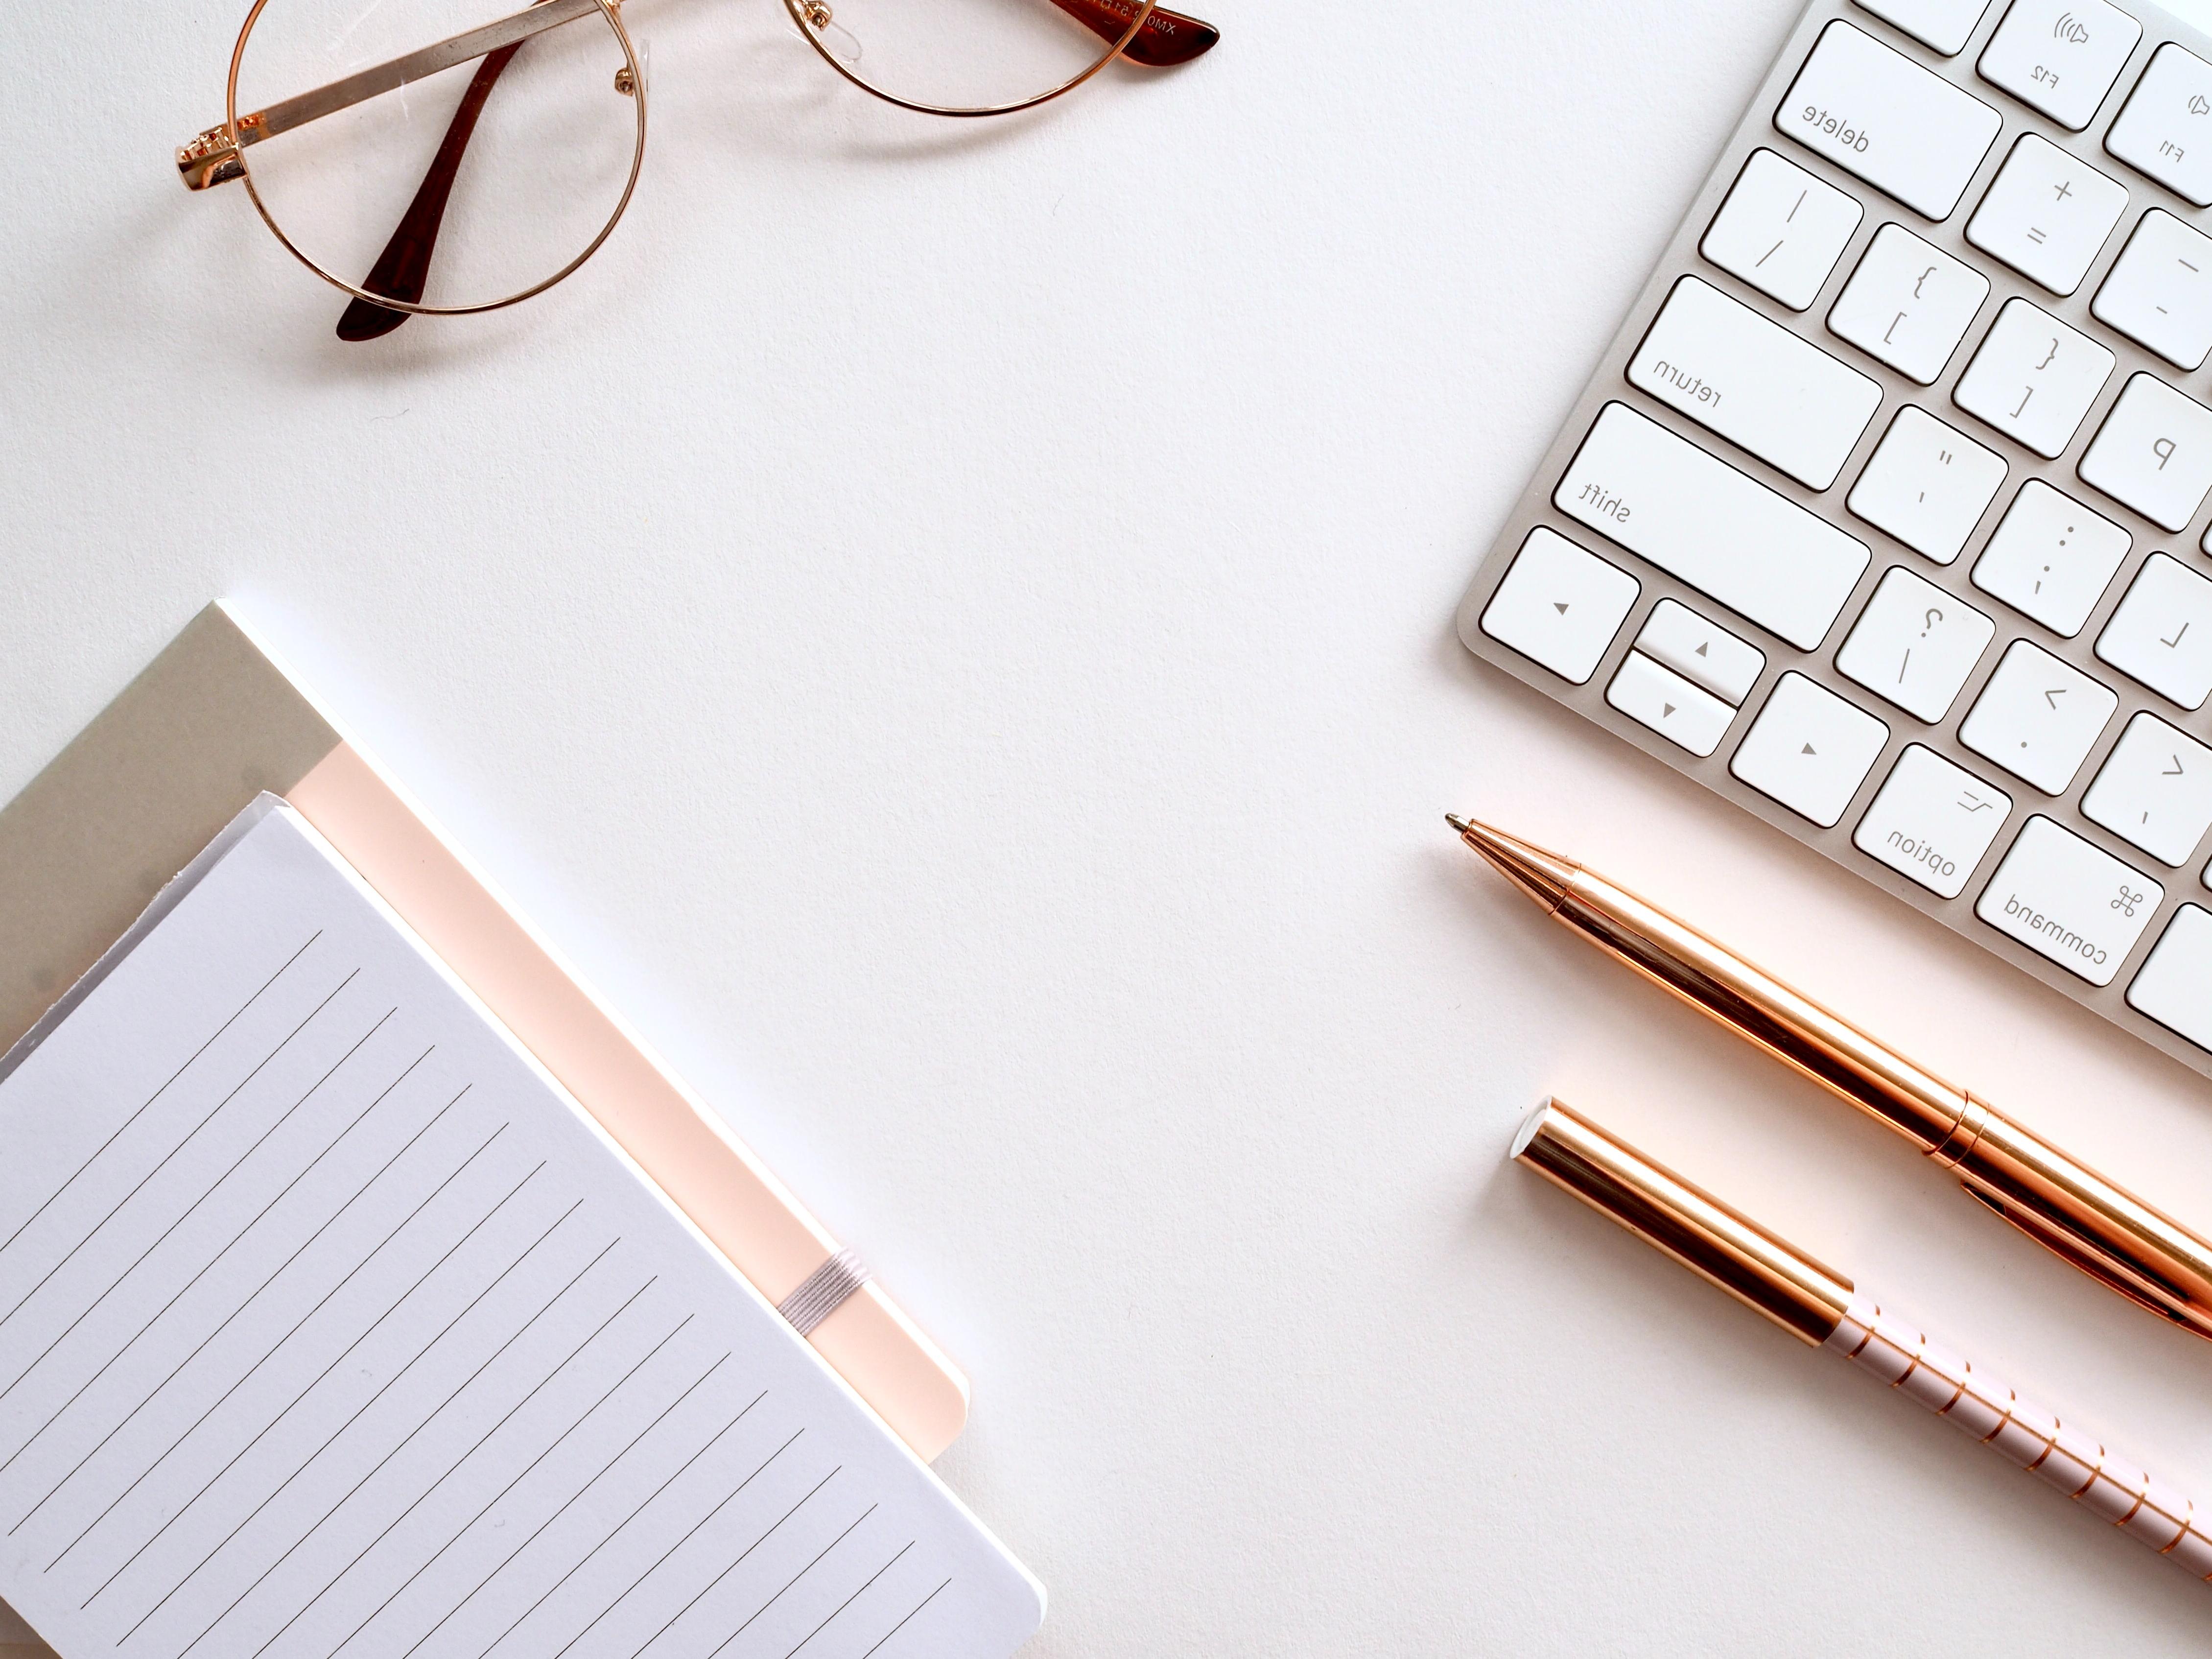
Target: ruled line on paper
493	1502
429	1490
216	1259
622	1525
404	1441
688	1534
193	1208
740	1560
312	1310
156	1096
251	1297
793	1579
156	1317
580	1491
901	1624
397	1448
866	1585
100	1225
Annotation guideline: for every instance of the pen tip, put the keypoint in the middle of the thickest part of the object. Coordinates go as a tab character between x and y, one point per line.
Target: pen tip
1542	875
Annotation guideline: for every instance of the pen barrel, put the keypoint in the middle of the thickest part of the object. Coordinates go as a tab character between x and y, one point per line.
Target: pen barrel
1759	1007
2025	1434
2087	1221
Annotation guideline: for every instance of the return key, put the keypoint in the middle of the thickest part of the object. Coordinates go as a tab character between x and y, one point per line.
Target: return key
1754	382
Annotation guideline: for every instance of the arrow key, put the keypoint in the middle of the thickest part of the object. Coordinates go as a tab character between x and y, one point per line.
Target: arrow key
1559	604
1655	695
1701	651
1809	749
2155	790
2038	718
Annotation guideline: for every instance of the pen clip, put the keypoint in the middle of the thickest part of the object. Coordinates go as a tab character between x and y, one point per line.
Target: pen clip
2069	1246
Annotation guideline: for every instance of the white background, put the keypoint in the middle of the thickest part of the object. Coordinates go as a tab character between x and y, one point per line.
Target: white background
951	628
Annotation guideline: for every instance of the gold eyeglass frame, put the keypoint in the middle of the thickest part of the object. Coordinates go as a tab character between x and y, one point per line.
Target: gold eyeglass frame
217	155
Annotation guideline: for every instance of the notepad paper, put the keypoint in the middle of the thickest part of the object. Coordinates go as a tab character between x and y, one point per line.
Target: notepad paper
330	1326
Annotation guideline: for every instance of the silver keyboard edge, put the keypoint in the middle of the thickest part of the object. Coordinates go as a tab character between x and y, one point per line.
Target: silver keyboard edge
1609	383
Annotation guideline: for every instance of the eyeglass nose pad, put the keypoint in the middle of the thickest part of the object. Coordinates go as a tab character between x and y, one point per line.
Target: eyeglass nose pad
840	40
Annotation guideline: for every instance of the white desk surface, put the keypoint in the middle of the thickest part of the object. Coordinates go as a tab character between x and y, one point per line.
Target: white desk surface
952	628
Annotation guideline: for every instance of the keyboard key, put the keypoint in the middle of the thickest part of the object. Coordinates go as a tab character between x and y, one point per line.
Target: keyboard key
2047	215
1559	606
1943	24
2153	453
1877	114
2160	132
1736	373
2161	634
2159	293
2060	56
2155	790
1932	821
1927	485
2033	378
1757	552
2037	717
1914	645
2051	557
2069	900
1780	229
1809	749
1701	651
1660	698
2174	986
1908	304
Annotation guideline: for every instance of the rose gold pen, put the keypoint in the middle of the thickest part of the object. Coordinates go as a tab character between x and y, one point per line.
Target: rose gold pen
2063	1205
1819	1306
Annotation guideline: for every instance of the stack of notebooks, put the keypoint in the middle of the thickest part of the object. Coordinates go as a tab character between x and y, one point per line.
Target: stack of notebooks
365	1286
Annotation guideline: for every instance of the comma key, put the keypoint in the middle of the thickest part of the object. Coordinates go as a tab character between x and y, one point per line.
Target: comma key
2069	900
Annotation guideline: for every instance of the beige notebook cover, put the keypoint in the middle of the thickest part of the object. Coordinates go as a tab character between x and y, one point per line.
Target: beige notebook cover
213	721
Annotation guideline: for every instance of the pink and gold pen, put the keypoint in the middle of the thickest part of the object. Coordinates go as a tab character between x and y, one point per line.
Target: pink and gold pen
1821	1308
2060	1202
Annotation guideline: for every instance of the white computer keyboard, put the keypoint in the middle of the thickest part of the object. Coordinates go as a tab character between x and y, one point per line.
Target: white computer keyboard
1885	513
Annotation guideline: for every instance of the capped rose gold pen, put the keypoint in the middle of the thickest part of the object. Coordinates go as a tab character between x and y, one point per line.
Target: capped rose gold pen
1819	1306
2060	1203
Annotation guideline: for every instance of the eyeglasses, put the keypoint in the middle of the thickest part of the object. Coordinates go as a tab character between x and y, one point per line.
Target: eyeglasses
379	137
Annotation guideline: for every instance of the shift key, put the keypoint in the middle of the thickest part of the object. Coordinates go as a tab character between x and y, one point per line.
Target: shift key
1874	112
1664	499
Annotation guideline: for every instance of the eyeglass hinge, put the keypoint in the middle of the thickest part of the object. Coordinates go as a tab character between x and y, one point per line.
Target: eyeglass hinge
211	158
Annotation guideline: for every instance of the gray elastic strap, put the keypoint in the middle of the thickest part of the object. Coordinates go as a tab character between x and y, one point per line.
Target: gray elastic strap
824	1291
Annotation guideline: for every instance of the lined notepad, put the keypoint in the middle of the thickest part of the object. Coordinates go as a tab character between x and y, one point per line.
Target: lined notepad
329	1325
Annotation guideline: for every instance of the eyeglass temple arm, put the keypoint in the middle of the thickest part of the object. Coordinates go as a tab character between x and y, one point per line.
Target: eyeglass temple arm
1167	38
212	157
402	272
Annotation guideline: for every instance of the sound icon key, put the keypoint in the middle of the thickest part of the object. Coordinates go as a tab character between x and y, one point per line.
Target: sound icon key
2165	130
2060	56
